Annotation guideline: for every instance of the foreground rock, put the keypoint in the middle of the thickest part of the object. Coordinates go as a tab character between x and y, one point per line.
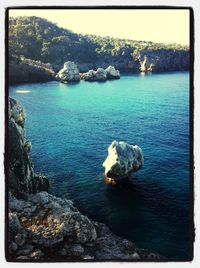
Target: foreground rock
69	72
22	178
122	160
43	227
112	73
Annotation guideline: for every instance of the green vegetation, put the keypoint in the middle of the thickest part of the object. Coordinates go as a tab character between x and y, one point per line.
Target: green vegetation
42	41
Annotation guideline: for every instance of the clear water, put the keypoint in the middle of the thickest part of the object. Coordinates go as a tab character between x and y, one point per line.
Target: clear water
71	127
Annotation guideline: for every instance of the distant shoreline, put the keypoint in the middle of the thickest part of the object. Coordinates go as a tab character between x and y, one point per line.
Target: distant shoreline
38	49
122	74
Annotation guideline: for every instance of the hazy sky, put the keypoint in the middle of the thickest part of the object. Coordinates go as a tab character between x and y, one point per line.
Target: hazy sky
166	26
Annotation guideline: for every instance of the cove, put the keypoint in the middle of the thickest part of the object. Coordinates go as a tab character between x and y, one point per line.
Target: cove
71	126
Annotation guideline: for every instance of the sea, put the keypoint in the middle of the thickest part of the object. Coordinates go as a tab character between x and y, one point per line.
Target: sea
71	126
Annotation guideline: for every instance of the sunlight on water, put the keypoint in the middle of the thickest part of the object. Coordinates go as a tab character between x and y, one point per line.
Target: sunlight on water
23	91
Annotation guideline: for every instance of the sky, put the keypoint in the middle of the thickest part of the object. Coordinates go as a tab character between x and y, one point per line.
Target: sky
163	26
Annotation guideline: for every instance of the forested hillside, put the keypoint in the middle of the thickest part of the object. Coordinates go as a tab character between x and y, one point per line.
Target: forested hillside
42	41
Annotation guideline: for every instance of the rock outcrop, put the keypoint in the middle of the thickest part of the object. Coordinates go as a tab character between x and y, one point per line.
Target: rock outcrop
69	73
145	65
22	178
98	75
112	73
122	160
43	227
24	70
101	75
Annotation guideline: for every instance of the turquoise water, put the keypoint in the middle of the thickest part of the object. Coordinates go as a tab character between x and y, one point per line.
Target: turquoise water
71	127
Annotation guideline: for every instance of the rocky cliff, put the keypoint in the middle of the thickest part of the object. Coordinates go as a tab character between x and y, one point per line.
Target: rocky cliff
22	70
43	227
22	178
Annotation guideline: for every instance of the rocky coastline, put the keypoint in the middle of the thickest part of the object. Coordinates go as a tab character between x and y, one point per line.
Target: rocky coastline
31	71
43	227
70	73
38	49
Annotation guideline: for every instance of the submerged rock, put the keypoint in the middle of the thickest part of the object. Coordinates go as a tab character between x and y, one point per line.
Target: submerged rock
122	160
69	72
112	73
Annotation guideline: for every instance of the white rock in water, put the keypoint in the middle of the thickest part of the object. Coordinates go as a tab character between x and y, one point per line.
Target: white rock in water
98	75
69	72
112	73
101	74
122	160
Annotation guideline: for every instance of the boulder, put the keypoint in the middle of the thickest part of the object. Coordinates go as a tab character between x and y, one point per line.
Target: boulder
69	72
98	75
112	73
101	74
122	160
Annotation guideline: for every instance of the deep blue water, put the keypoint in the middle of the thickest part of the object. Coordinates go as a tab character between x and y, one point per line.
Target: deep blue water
71	127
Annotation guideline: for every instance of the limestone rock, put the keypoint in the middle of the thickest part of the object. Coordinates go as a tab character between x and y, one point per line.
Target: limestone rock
57	227
112	73
69	72
51	220
122	160
22	178
61	231
30	71
98	75
146	65
101	74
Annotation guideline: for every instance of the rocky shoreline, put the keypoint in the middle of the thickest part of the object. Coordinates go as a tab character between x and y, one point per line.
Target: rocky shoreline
43	227
38	48
31	71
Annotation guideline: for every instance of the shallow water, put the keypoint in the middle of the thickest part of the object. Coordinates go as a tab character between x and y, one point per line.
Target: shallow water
71	127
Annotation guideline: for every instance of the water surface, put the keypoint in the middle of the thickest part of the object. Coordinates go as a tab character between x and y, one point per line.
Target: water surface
71	127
